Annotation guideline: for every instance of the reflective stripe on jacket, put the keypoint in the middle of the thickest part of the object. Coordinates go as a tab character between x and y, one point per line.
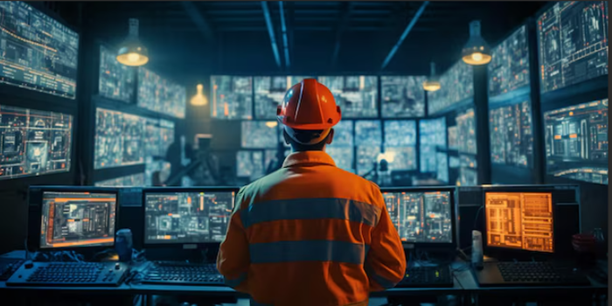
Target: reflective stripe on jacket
311	234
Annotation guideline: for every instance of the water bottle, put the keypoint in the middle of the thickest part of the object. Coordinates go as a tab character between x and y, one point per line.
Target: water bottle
123	245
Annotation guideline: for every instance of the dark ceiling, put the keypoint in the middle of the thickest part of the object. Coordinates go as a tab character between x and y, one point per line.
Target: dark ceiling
197	38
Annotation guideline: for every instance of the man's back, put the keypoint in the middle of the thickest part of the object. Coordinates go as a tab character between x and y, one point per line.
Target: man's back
311	234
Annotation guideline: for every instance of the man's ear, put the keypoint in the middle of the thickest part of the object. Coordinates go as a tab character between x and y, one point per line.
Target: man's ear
330	137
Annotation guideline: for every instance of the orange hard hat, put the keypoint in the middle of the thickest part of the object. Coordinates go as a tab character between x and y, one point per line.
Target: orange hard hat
309	105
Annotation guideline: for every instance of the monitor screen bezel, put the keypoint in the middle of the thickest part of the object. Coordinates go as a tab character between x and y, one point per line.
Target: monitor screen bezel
454	213
502	252
185	246
34	221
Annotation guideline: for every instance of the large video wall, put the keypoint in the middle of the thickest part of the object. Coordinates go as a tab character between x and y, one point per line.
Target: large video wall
360	138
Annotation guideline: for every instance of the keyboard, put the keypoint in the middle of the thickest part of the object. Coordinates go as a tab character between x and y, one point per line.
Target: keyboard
183	274
427	276
107	274
8	266
529	274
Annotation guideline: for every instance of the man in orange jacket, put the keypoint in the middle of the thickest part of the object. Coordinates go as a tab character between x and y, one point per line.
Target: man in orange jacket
310	233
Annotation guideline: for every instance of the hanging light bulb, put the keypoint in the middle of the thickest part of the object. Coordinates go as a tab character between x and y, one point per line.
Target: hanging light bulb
476	51
432	83
199	99
132	52
271	124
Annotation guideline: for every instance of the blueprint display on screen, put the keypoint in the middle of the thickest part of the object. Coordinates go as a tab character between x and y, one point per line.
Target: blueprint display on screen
577	142
231	97
366	158
357	96
442	164
259	134
400	133
402	96
572	43
116	81
509	66
511	135
402	158
34	142
161	95
36	51
457	85
466	132
432	135
368	133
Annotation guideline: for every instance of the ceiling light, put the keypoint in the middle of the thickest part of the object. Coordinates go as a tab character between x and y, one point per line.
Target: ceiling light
432	83
132	52
476	51
199	99
271	124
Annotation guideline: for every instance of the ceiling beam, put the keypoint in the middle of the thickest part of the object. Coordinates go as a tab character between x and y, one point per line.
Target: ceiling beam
284	32
266	12
198	19
405	34
342	25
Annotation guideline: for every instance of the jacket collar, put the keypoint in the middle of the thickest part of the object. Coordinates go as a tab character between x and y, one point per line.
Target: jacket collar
308	157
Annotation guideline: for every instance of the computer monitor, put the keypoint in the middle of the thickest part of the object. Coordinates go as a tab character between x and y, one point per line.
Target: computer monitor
36	51
509	67
188	217
423	216
75	217
119	139
466	132
572	43
521	219
34	142
577	142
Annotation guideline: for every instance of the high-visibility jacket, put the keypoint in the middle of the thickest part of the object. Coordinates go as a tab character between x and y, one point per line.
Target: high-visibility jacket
311	234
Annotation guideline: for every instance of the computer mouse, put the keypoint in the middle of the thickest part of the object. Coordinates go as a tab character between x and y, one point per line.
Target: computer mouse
28	264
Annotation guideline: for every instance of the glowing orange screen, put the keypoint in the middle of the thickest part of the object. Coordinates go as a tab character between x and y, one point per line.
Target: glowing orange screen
520	220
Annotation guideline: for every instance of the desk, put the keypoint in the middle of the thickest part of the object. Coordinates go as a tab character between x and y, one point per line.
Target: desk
465	288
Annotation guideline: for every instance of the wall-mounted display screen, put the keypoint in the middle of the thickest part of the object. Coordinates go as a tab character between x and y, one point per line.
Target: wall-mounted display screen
342	156
511	135
368	133
250	164
357	96
432	135
402	96
367	156
509	66
466	132
577	142
468	175
572	43
232	97
401	158
270	92
442	164
121	139
33	142
259	134
400	133
36	51
160	95
457	85
116	81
